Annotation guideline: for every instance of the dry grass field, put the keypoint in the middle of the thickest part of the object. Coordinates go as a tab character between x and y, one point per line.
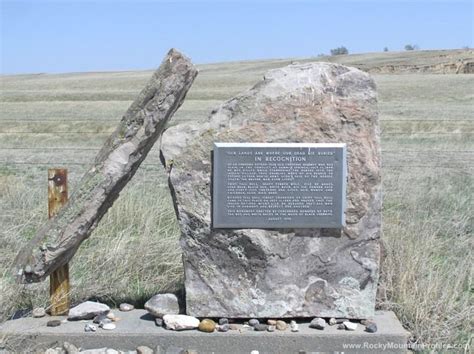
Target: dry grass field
428	175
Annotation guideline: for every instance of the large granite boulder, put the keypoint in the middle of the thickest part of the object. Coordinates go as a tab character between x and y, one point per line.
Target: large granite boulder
284	272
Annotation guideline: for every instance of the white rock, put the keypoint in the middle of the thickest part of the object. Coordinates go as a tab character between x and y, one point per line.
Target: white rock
87	310
112	351
126	307
52	351
94	351
90	328
294	326
318	323
350	326
180	322
108	326
162	304
39	312
70	348
144	350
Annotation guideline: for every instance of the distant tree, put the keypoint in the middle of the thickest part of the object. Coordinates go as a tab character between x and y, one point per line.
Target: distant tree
412	47
339	51
385	49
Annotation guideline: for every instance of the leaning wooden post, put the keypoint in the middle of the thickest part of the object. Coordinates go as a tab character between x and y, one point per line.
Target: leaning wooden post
59	278
56	242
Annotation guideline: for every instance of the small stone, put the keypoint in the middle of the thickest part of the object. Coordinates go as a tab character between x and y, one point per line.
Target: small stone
108	326
90	328
260	327
341	326
271	328
159	322
111	316
180	322
350	326
70	348
173	350
111	351
207	325
104	322
53	323
332	321
223	321
163	304
234	327
318	323
341	320
144	350
87	310
253	322
52	351
98	319
245	328
371	327
223	327
281	325
294	326
94	351
271	322
254	352
124	307
39	312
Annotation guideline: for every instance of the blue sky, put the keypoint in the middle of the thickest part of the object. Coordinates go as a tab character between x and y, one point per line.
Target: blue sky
71	36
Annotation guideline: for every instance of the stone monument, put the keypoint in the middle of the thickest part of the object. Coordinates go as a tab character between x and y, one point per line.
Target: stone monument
253	247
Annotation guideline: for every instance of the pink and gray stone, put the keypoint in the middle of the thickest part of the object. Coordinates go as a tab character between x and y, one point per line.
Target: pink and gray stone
87	311
279	273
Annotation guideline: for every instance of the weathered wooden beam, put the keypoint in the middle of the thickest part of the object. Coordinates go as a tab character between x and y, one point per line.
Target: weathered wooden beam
59	286
116	163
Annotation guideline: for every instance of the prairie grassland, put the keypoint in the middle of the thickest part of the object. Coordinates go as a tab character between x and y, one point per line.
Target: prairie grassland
428	158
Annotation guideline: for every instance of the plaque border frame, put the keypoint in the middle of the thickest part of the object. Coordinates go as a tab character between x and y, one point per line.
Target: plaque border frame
344	171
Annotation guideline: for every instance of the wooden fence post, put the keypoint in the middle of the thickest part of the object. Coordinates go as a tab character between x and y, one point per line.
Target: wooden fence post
59	279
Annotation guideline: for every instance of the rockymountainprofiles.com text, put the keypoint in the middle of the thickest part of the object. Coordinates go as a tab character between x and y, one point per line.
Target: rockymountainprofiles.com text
408	346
